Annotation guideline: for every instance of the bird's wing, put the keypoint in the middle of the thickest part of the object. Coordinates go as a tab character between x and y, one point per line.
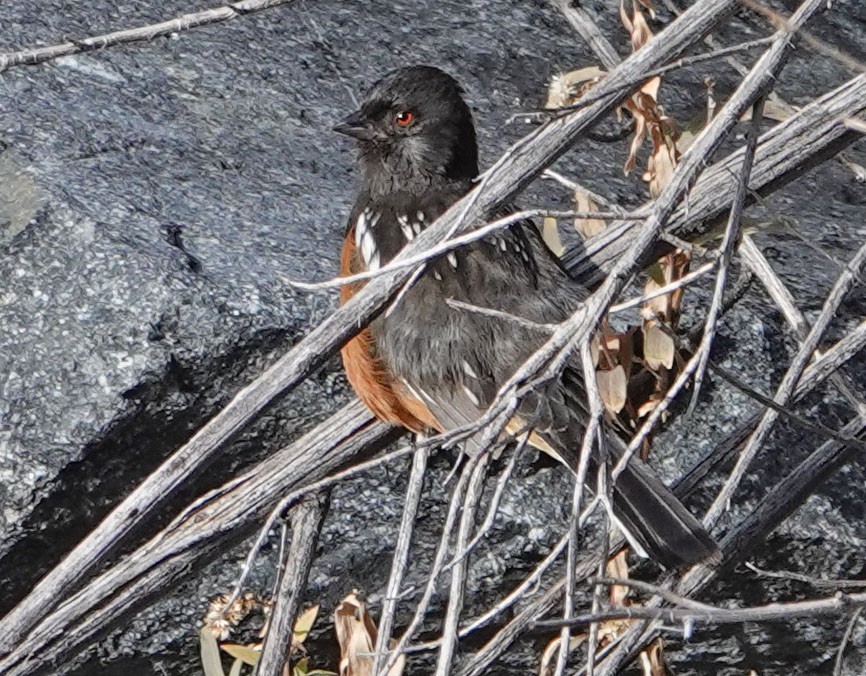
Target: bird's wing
458	405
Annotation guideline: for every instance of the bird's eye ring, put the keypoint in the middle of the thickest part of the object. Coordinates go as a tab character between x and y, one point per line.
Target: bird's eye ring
404	118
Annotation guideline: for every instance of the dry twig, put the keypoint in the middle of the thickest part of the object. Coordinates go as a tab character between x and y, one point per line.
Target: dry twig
307	520
31	57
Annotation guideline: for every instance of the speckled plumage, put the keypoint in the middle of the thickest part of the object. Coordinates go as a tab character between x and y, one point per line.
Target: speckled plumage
452	360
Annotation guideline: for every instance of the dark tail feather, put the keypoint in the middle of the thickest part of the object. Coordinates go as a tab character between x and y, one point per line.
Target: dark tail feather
669	533
648	509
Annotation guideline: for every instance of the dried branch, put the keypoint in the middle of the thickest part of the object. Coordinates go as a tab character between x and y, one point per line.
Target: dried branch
784	23
493	509
524	161
732	232
458	571
438	563
849	630
787	387
773	612
591	438
783	298
222	516
307	520
808	138
821	369
31	57
808	579
781	501
581	20
518	592
401	555
683	281
480	662
452	243
517	167
653	590
753	86
575	187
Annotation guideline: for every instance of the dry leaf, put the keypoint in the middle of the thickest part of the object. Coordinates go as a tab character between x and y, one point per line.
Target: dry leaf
663	160
617	566
667	269
356	634
303	625
210	653
587	227
550	234
648	5
650	123
613	386
565	89
636	25
551	651
658	347
302	668
652	660
774	109
248	654
595	348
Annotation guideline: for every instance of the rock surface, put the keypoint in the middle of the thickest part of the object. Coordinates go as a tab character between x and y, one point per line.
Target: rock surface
155	201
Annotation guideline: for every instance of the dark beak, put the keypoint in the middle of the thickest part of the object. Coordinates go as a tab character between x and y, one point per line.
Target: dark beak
357	126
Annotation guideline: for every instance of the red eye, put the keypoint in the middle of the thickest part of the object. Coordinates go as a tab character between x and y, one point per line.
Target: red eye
404	118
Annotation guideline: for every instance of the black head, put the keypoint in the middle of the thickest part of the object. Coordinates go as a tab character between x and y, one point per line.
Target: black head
413	129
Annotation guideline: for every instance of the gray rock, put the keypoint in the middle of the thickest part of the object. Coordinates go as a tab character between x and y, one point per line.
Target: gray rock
155	201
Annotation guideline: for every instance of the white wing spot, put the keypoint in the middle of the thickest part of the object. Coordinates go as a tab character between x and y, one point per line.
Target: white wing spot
469	393
503	244
364	238
420	216
360	228
369	251
452	258
468	370
437	276
406	228
421	395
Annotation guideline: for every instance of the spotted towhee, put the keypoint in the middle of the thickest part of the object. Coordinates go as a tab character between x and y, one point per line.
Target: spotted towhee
430	365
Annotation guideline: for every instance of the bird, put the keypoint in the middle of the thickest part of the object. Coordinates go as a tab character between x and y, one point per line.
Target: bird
430	365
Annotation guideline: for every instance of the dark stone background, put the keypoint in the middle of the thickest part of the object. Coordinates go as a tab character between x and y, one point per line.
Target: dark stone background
154	200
